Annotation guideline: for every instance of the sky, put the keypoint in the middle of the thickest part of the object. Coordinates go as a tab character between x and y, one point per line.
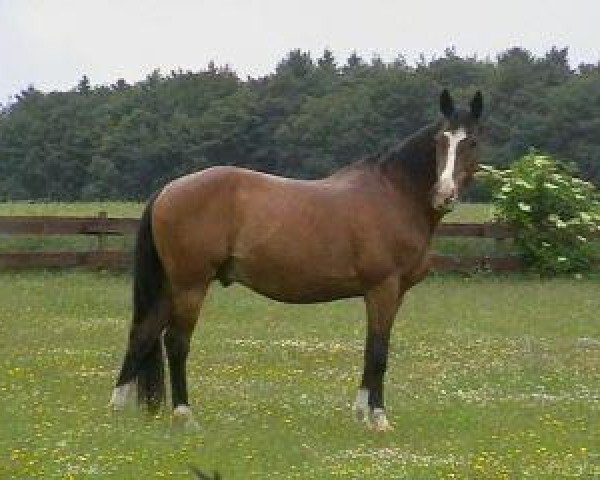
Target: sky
51	44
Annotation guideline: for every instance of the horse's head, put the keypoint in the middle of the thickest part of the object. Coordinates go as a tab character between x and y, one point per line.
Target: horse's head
456	149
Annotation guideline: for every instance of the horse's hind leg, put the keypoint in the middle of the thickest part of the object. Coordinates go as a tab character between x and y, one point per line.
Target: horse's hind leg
186	307
143	360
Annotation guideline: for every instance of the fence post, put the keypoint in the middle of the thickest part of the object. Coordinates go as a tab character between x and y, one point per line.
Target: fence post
101	237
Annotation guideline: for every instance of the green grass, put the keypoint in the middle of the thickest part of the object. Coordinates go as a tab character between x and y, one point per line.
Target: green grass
73	209
488	378
471	212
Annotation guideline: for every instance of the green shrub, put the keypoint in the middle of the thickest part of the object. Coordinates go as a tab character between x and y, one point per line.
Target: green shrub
554	213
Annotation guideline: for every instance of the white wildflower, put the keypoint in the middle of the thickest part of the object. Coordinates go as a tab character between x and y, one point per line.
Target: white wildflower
524	207
524	184
554	218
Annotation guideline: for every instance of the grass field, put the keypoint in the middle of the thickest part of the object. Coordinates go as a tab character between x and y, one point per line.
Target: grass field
489	378
74	209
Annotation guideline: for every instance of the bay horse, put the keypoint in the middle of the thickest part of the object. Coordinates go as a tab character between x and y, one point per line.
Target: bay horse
363	231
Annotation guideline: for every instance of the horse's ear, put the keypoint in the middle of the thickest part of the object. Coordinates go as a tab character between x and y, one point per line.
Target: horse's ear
477	105
446	103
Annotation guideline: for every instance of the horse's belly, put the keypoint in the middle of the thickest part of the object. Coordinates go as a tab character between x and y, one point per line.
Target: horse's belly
313	293
294	283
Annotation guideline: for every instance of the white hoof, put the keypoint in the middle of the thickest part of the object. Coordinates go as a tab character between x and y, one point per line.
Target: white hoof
361	405
183	417
379	421
118	399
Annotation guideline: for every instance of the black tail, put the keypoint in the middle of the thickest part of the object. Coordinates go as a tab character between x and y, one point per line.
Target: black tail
149	315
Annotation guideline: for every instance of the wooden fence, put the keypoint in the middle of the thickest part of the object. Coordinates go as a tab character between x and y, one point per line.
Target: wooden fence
102	227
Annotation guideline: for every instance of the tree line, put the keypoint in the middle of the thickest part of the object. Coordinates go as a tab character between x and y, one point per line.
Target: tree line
306	119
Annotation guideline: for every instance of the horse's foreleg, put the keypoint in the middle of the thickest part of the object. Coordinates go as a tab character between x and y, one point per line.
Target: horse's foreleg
382	304
369	404
177	345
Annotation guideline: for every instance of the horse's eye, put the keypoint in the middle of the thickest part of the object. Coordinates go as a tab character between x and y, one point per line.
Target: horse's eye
473	143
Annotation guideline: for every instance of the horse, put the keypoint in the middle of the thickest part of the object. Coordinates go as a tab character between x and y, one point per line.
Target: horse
364	231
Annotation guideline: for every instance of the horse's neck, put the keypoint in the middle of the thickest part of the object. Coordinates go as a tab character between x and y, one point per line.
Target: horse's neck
413	174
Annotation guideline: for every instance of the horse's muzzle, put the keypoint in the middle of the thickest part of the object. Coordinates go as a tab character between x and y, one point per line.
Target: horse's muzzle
445	200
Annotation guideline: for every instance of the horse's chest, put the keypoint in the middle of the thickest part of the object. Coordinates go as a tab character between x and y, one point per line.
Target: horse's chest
391	251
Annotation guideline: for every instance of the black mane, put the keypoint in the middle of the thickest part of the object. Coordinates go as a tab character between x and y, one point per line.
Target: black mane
412	157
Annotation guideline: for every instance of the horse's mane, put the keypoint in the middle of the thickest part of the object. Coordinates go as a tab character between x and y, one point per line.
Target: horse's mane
413	156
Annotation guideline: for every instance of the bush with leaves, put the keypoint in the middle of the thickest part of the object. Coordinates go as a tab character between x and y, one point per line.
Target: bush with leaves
555	214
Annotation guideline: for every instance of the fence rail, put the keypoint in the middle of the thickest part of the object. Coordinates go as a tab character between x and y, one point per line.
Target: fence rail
102	226
33	225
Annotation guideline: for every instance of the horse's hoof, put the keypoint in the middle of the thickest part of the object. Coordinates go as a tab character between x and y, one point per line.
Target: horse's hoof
379	421
361	414
118	399
361	406
183	418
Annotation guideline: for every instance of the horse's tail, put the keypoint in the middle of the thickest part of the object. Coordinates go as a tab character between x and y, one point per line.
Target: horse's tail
149	313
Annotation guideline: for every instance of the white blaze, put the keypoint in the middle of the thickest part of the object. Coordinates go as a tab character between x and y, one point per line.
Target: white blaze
446	181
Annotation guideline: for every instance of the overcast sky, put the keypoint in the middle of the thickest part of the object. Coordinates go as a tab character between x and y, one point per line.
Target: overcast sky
52	43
